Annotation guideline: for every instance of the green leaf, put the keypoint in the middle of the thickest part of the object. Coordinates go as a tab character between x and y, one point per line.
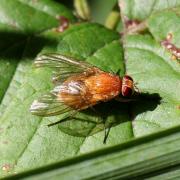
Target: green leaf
142	9
155	73
140	158
173	173
101	9
151	65
168	21
17	49
92	42
25	140
30	18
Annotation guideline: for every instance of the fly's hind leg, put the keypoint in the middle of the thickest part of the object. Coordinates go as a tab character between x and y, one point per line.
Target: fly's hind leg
106	130
106	133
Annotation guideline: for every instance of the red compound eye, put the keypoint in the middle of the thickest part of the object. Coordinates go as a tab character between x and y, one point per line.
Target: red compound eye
127	86
126	77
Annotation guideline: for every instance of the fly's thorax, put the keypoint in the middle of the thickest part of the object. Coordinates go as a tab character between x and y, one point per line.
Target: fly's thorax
103	86
127	86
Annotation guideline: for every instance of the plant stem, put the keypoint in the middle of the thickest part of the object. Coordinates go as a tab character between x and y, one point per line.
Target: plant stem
82	9
112	20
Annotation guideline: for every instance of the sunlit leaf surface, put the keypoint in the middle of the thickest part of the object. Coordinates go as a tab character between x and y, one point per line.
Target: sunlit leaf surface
25	140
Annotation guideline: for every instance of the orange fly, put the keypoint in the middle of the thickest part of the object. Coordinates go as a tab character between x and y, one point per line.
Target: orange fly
78	85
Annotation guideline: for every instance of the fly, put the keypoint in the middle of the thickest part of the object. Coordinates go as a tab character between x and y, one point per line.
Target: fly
78	86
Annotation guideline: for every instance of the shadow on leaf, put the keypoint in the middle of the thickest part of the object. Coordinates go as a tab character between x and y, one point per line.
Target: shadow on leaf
107	115
15	45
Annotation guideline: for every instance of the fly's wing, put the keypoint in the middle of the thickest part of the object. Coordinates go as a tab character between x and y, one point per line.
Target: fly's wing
49	105
62	99
63	66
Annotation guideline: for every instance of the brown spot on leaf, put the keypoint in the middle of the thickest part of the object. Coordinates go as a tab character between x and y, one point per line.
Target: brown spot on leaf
130	24
6	167
175	51
63	23
133	26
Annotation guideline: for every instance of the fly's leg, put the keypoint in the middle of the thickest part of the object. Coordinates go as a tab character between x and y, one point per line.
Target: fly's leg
106	133
106	130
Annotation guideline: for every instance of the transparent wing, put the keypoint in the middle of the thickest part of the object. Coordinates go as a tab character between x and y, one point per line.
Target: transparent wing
63	66
60	100
49	105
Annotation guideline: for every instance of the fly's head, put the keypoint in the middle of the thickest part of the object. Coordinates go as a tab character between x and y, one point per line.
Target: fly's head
127	86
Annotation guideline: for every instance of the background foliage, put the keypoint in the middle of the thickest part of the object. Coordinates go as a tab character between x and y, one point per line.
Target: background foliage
25	140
